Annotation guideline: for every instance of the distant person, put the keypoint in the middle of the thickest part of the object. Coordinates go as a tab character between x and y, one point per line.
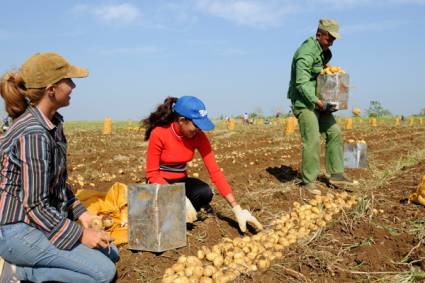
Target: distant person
175	130
6	123
40	239
245	118
314	115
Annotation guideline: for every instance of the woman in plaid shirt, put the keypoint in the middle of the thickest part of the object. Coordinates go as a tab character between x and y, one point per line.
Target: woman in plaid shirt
40	239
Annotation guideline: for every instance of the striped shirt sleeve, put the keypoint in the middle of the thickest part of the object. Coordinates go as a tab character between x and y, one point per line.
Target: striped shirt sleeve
34	152
75	207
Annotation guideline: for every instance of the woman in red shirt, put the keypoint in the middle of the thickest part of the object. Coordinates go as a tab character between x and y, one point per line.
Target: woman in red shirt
174	131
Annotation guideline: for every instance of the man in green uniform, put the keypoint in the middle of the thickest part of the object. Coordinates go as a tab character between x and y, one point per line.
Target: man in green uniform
314	115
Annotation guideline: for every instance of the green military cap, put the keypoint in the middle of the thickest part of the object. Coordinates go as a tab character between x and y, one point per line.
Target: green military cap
330	26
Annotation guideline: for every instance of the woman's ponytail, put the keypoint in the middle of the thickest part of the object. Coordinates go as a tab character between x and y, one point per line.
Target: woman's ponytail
162	116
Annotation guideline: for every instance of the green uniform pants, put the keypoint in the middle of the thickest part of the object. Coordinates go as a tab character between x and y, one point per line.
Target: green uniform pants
312	124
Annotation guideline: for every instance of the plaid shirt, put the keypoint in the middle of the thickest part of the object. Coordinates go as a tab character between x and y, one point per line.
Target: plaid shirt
33	176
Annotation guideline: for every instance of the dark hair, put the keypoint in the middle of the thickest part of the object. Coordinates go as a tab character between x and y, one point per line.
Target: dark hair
163	115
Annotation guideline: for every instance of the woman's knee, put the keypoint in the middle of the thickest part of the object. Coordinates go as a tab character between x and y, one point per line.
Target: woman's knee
199	193
207	195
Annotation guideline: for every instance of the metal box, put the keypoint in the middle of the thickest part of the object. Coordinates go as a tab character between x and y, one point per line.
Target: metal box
334	88
156	217
355	155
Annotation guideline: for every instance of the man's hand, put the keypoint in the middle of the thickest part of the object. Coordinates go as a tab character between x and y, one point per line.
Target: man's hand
327	107
320	105
243	216
331	107
191	215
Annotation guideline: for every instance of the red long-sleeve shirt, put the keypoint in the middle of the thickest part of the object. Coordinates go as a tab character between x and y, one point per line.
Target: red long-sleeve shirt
169	151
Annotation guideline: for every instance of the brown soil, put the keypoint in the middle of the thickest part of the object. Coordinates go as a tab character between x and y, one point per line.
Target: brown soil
262	165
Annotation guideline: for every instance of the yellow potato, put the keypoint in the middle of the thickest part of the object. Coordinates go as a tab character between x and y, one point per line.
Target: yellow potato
334	69
107	221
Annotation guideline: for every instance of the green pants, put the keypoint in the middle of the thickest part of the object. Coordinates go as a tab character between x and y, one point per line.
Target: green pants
312	124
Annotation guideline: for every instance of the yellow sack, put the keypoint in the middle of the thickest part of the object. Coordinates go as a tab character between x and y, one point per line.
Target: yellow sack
112	203
419	196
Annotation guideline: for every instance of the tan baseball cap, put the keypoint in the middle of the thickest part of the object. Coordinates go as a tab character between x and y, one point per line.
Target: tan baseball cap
330	26
45	68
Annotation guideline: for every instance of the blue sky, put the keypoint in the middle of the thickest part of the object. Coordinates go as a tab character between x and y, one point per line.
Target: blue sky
234	55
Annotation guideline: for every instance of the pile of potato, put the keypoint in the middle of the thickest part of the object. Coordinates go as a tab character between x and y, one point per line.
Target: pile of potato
231	257
329	70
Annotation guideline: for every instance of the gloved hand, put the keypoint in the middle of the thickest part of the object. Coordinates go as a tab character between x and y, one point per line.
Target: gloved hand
330	107
191	215
243	216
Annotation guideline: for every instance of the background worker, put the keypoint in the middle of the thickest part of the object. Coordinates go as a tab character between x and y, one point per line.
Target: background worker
315	116
175	131
40	239
6	123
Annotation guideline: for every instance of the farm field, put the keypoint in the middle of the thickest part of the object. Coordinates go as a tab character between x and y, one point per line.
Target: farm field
377	240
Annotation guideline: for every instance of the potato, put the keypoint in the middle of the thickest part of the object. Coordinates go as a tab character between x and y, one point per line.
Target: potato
218	261
263	264
177	267
182	279
189	271
198	271
97	224
200	254
182	259
107	221
205	280
209	270
193	261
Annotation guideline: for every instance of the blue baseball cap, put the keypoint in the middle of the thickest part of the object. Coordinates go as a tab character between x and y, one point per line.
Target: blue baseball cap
193	109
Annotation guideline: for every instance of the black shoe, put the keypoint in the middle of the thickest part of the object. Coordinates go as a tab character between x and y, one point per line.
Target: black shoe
341	179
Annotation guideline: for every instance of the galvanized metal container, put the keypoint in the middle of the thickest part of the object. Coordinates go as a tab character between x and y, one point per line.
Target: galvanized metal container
355	155
156	217
334	88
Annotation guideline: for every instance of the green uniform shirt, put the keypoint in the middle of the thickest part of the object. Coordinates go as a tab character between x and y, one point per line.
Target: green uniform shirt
308	61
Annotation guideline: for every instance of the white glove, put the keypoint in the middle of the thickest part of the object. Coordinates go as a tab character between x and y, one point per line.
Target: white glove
190	212
243	216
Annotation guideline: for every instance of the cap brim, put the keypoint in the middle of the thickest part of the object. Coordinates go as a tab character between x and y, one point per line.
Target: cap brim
77	72
204	124
335	34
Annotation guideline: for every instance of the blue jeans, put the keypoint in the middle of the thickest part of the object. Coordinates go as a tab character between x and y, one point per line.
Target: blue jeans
38	260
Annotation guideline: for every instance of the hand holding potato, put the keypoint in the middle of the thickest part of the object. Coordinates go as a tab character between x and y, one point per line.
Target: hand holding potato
88	218
95	238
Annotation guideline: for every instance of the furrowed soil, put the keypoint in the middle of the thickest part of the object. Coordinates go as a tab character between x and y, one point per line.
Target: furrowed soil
381	239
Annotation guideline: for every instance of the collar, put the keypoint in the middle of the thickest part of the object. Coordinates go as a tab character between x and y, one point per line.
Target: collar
317	44
176	130
327	55
44	121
